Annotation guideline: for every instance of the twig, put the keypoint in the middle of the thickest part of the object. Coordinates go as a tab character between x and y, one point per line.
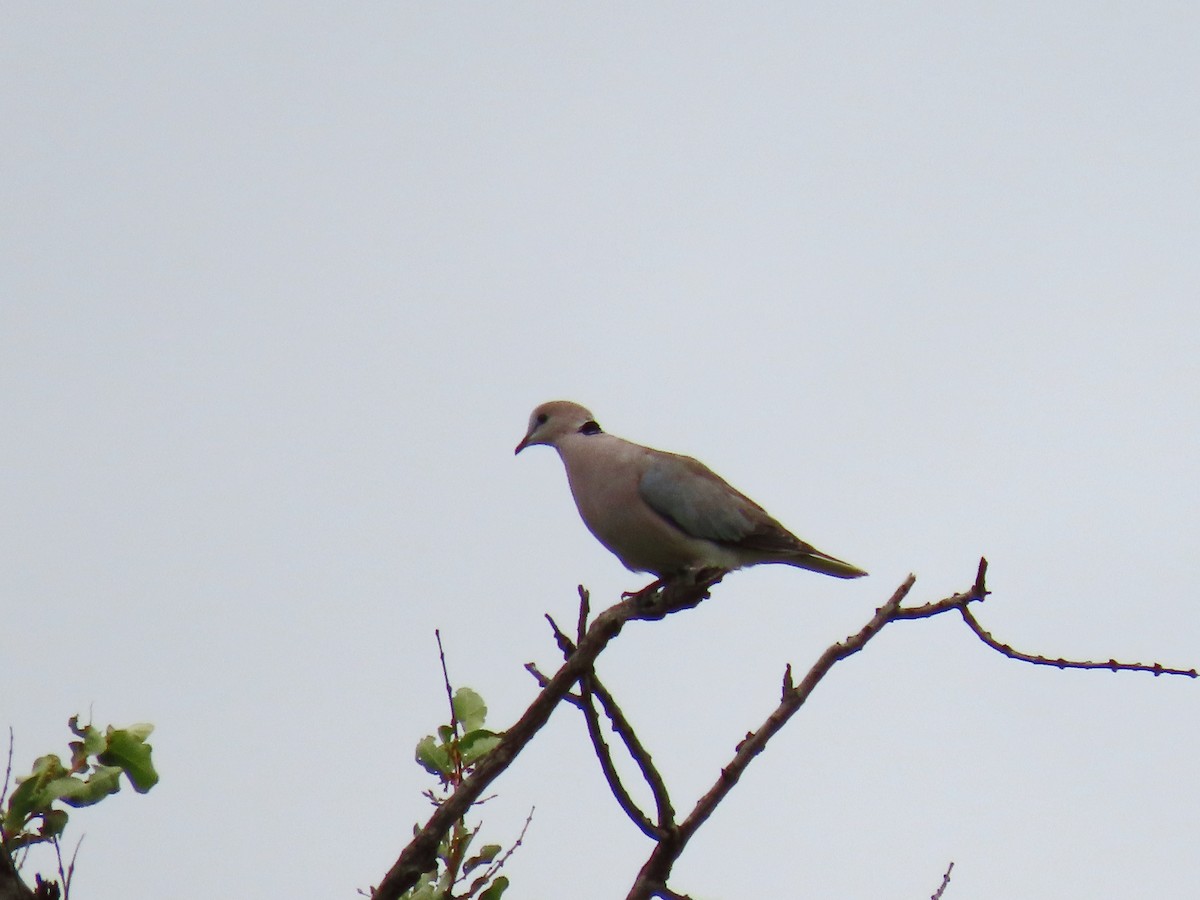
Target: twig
978	592
1111	665
498	864
461	836
584	608
67	875
604	755
590	685
437	633
543	680
937	895
11	885
566	646
587	686
7	769
640	755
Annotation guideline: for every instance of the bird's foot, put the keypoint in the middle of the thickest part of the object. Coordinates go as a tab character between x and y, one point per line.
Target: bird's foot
646	595
691	586
708	576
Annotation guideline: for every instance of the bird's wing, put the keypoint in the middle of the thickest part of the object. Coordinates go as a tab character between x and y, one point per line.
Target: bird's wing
699	502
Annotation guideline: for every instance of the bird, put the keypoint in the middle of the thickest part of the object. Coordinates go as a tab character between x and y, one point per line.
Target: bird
663	513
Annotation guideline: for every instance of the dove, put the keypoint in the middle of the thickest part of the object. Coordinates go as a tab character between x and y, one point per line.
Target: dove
663	513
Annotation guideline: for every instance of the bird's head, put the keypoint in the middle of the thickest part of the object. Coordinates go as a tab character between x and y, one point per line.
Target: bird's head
551	422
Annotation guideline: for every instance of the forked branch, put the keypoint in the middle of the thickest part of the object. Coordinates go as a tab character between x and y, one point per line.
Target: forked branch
420	855
652	879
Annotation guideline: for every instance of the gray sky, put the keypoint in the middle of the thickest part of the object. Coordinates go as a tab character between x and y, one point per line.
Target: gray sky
281	285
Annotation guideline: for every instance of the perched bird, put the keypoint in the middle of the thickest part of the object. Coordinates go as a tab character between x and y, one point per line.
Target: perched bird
664	513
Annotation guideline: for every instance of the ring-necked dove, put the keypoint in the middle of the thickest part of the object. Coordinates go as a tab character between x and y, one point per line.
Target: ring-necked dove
664	513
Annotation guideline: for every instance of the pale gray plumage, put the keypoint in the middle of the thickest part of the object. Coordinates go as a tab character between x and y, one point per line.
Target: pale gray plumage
664	513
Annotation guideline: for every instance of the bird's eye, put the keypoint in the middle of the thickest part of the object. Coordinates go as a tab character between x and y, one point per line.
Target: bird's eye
589	427
542	419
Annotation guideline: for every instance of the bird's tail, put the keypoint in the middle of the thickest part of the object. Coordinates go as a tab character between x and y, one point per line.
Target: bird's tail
826	564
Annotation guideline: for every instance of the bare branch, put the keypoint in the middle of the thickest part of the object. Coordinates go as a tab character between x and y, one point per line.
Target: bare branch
494	869
446	681
543	680
590	685
584	608
67	875
978	592
1112	665
652	879
640	755
586	689
11	885
937	895
458	769
7	768
565	645
604	755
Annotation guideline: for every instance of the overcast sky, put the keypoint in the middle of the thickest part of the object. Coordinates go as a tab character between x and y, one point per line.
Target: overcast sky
281	283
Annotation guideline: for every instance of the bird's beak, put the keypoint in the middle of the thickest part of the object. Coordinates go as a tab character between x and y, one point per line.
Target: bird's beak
521	446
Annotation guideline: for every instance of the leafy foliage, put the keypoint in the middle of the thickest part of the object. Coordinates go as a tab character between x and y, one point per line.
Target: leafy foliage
461	744
97	761
451	756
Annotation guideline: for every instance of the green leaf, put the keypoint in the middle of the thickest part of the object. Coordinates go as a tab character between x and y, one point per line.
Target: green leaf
45	768
469	709
93	739
486	854
434	757
127	749
477	744
21	802
30	797
84	783
140	730
446	733
75	791
446	848
498	887
424	892
53	823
